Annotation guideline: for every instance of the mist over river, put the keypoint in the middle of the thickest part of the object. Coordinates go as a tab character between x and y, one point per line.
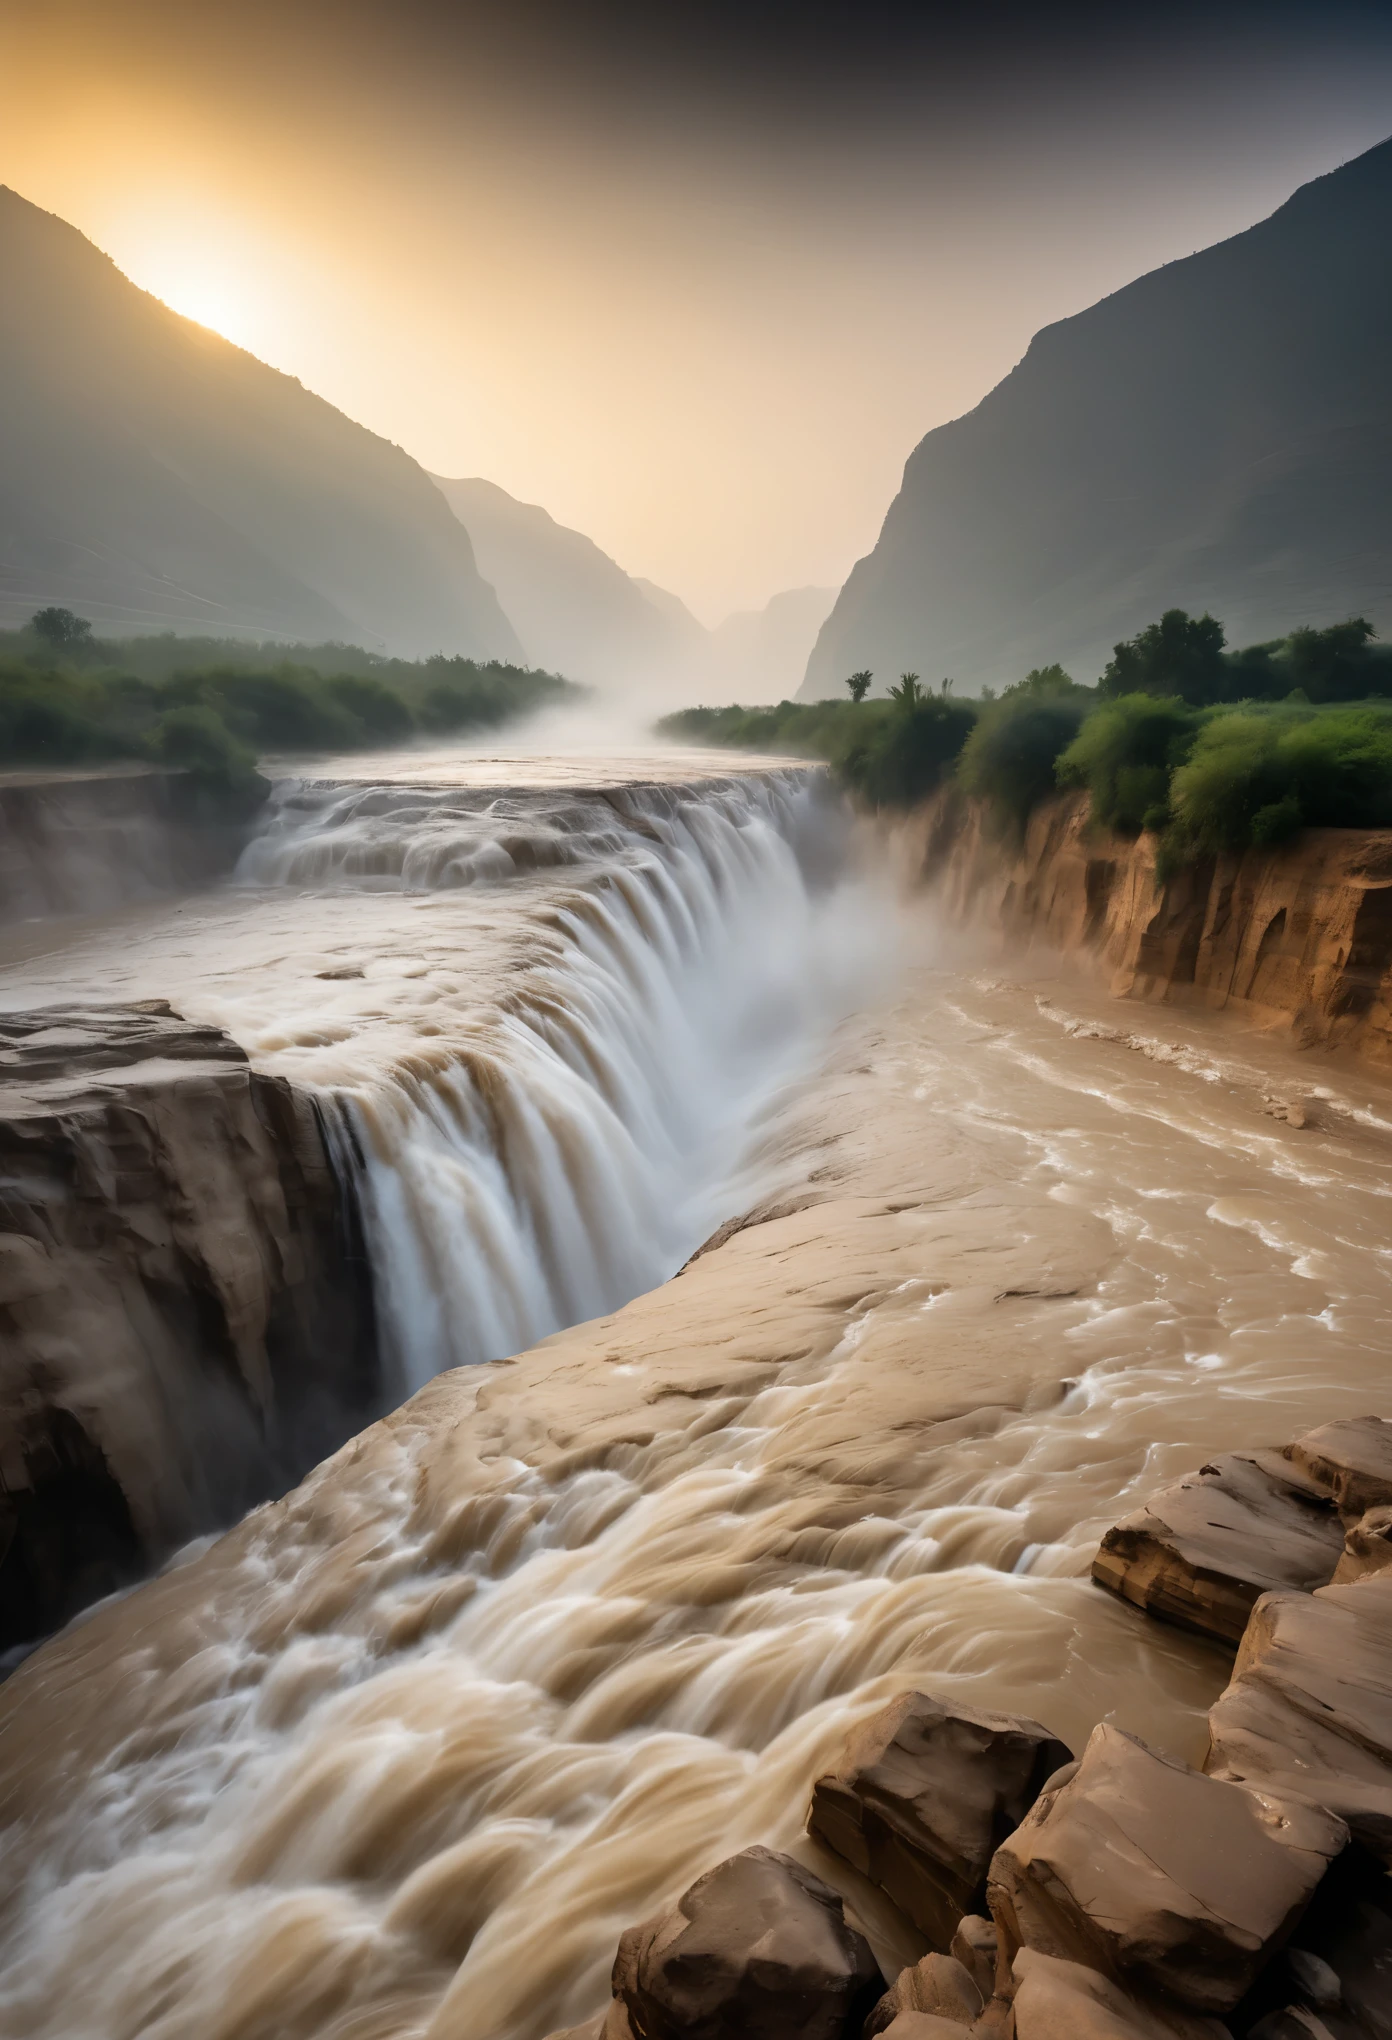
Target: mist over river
403	1753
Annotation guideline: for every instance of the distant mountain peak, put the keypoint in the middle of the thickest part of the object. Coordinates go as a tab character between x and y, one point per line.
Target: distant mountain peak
154	475
1214	435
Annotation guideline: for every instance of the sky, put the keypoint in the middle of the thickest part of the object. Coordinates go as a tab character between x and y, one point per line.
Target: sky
695	277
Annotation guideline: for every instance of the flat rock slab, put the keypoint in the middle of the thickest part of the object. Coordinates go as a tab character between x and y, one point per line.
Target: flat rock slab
1178	1887
1309	1708
1202	1552
925	1791
1351	1460
759	1945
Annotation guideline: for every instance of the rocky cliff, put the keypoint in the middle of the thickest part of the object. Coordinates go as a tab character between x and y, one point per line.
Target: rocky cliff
186	1319
1298	937
85	842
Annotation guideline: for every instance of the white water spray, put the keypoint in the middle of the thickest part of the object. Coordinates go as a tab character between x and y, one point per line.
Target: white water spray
581	1137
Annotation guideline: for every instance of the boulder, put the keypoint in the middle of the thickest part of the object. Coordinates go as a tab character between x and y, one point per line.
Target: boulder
939	1985
1367	1547
1059	2000
911	2025
1309	1707
925	1791
974	1944
1176	1886
1201	1552
1351	1459
758	1946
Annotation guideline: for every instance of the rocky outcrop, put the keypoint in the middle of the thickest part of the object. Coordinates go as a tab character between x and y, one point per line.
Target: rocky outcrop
1168	1881
757	1945
1309	1708
87	842
1367	1548
1352	1460
924	1793
1201	1552
939	1986
186	1320
1299	936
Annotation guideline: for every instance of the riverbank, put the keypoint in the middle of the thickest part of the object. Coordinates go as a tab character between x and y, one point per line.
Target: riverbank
1296	938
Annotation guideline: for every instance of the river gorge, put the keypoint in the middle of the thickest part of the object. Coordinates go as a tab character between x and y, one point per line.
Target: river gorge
777	1286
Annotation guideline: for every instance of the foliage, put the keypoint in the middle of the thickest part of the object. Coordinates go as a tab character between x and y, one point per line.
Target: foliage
1256	777
1180	655
889	752
1209	749
858	684
1124	755
66	698
1009	758
60	629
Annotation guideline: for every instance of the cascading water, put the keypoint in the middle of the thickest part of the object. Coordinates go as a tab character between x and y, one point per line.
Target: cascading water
577	1141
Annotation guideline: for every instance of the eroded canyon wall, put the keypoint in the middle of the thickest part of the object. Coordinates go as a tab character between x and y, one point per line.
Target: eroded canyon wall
186	1319
1298	936
86	842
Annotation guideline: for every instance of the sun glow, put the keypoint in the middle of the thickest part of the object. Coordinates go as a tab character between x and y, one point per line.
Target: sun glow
213	301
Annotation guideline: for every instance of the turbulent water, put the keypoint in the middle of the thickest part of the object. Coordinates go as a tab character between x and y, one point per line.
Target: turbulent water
403	1755
542	1018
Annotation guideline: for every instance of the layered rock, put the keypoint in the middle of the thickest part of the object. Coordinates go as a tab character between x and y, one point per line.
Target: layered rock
185	1315
1351	1460
1173	1884
939	1986
1299	935
1203	1550
925	1792
1309	1709
757	1945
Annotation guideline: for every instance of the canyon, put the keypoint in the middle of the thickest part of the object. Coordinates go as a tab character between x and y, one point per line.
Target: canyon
784	1280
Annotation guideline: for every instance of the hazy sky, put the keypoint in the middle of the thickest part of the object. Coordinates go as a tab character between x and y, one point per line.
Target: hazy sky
695	277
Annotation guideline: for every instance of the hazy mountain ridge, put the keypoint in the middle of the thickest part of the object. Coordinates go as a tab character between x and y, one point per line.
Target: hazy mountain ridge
577	612
154	476
1215	435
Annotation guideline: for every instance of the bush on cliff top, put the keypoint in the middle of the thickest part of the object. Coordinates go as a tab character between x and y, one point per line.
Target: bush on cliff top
890	753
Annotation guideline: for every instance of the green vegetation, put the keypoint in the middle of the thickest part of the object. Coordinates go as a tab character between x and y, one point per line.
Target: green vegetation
210	708
889	753
1208	749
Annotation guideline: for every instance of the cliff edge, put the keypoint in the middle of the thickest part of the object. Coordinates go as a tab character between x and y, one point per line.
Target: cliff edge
1297	937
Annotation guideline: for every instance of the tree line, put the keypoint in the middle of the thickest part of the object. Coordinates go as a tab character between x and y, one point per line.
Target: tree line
1205	747
211	707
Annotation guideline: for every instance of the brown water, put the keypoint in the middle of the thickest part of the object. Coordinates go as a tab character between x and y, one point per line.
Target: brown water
402	1755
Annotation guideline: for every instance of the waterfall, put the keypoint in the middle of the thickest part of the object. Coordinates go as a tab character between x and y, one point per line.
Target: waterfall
576	1141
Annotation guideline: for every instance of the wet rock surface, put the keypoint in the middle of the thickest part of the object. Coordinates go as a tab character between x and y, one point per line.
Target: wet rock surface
1175	1885
1054	1999
925	1791
1309	1708
1367	1548
759	1945
1350	1460
939	1984
1202	1550
186	1322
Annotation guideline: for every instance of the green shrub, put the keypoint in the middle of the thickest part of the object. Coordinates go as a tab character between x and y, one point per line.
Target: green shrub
1254	777
1124	755
1009	758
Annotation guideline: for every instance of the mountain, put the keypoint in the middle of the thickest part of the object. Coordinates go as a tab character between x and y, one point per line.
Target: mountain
762	653
153	476
1215	436
576	611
